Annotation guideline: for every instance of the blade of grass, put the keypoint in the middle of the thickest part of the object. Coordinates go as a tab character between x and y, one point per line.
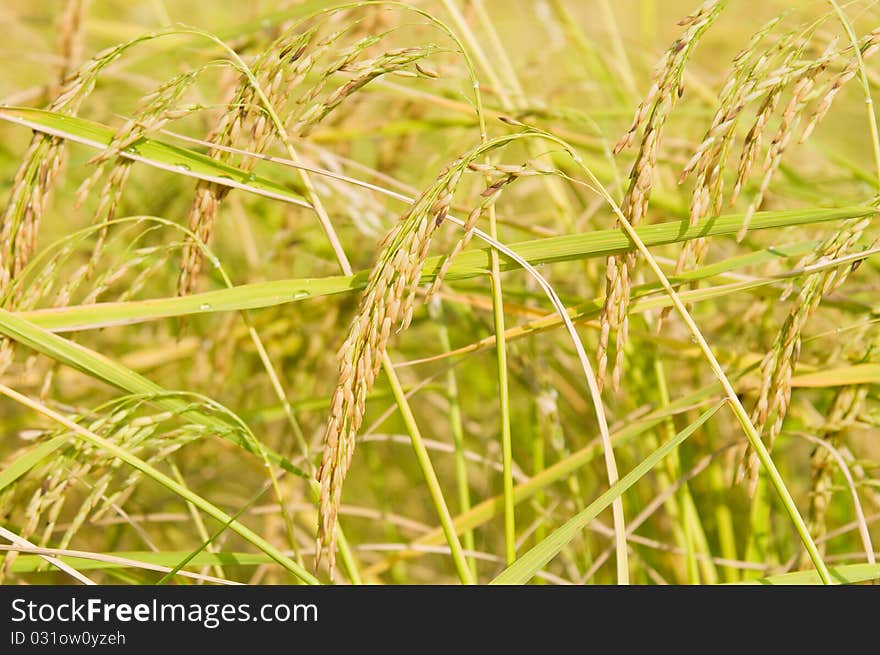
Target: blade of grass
503	397
429	474
111	564
115	374
457	428
30	459
470	264
687	527
846	574
759	545
207	541
724	521
165	559
866	85
839	377
690	516
158	154
18	542
202	532
526	566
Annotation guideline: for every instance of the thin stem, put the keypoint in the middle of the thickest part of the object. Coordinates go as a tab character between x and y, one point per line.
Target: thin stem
508	103
500	52
864	533
866	85
202	531
457	428
23	544
620	55
503	398
431	480
497	304
497	307
622	553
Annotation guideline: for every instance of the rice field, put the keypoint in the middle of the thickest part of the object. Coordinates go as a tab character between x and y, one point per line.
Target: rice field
439	292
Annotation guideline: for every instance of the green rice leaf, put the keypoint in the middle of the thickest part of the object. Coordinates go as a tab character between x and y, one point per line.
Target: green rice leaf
154	153
26	563
115	374
469	264
30	459
525	567
845	574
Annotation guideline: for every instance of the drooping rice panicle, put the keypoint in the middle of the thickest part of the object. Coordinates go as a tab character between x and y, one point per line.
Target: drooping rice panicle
653	112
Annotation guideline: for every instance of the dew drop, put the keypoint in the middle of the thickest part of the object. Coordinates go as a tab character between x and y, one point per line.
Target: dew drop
183	167
299	295
204	306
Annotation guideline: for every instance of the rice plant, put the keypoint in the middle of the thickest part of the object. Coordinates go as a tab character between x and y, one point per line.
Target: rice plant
440	292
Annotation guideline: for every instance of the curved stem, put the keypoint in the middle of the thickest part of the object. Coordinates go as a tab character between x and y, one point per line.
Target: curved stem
866	85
